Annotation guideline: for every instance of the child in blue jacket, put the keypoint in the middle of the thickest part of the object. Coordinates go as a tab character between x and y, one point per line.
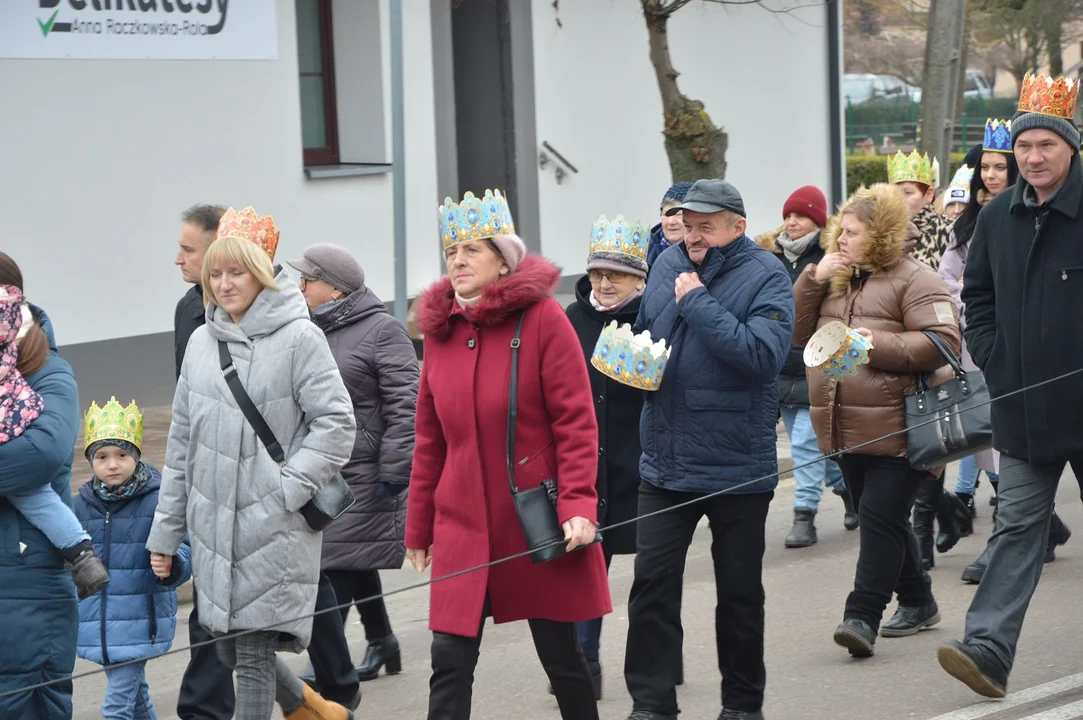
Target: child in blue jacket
135	617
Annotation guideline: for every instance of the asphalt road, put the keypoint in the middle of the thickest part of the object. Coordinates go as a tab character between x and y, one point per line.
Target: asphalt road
809	678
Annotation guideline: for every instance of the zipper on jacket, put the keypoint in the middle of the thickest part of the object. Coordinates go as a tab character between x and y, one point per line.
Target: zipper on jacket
105	590
153	615
369	440
1039	218
1064	271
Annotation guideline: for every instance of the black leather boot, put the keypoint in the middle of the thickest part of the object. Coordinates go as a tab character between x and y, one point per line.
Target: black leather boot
803	533
965	514
382	653
1059	534
975	571
856	636
923	528
947	510
595	678
911	620
849	519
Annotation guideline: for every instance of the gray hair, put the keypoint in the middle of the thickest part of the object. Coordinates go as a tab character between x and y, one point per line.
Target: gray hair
205	217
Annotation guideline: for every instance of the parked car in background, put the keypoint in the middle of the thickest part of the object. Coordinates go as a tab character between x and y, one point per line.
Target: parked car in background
860	88
977	85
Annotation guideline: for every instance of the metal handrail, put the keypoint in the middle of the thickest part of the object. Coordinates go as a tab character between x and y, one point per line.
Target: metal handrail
558	156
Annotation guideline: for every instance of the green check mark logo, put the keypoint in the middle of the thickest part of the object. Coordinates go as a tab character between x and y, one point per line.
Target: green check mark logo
47	26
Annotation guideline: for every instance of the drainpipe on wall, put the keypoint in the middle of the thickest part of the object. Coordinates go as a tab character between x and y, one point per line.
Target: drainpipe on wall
834	81
398	157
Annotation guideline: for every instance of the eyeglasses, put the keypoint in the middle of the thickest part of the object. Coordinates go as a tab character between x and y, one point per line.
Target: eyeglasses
305	280
613	276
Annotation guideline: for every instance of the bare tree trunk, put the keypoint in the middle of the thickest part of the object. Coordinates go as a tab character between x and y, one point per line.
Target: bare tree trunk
939	90
663	66
695	147
1054	47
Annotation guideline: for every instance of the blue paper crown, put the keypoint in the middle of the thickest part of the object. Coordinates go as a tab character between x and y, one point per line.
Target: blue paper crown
998	136
619	240
475	219
617	357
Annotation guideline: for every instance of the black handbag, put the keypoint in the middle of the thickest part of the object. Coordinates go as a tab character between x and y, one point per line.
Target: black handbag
950	421
536	507
332	500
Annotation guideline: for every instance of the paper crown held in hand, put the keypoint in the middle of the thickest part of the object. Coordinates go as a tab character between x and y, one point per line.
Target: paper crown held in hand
630	359
837	351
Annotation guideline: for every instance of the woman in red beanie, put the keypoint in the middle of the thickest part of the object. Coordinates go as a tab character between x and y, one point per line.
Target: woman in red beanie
798	244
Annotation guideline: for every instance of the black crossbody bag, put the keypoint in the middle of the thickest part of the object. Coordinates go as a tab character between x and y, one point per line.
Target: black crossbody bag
536	507
332	500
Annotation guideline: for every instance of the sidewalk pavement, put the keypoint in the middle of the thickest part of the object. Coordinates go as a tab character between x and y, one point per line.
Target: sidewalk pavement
156	430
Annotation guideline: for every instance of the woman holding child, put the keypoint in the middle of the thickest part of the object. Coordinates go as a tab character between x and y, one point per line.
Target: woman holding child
37	594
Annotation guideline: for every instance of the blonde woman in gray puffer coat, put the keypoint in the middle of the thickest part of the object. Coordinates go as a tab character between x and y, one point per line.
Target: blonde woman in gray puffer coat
255	560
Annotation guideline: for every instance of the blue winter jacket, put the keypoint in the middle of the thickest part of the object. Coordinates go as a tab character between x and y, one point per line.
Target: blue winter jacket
711	424
37	596
135	616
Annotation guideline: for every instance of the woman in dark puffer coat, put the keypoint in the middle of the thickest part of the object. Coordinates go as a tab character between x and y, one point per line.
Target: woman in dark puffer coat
379	368
37	594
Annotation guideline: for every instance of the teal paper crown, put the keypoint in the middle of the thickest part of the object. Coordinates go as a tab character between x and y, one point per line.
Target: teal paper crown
621	241
998	136
475	219
628	359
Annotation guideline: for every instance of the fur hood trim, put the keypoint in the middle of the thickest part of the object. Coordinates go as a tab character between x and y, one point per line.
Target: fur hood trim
535	279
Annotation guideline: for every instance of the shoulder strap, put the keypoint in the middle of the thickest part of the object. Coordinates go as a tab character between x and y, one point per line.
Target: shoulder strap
251	412
513	402
951	358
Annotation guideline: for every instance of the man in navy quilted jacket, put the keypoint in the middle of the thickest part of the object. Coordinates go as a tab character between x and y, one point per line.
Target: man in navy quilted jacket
724	306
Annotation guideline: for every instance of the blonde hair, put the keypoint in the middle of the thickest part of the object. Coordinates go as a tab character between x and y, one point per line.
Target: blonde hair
238	252
861	205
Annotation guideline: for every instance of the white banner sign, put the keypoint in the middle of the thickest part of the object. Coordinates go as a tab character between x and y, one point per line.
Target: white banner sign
139	29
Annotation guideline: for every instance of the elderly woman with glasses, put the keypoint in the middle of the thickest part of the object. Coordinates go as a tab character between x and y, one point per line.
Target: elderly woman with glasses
611	290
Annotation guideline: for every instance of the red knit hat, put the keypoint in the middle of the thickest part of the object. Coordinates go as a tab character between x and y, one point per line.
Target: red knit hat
807	201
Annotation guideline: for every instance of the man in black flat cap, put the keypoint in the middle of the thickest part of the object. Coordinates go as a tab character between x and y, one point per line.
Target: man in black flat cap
724	306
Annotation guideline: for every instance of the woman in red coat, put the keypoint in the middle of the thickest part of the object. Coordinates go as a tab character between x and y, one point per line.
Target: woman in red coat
460	512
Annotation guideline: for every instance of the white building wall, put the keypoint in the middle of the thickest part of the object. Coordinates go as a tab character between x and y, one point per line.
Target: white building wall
98	158
762	76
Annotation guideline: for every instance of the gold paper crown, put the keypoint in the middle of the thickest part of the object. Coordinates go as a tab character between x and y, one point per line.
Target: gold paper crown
1044	95
622	238
248	225
114	422
475	218
630	359
913	168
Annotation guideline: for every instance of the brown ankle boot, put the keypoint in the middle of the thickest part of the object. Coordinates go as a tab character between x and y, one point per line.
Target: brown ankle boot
316	708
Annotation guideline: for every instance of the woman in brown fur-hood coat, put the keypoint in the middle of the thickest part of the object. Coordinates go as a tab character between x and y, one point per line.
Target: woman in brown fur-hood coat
869	282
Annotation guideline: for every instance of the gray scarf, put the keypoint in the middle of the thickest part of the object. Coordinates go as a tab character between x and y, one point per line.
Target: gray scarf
796	249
